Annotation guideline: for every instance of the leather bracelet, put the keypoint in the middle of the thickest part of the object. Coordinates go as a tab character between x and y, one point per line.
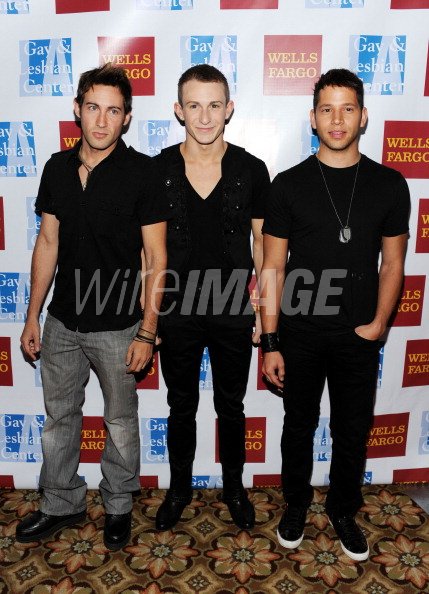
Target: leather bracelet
269	342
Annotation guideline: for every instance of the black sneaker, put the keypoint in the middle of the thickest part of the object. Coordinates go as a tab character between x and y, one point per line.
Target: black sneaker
291	528
353	541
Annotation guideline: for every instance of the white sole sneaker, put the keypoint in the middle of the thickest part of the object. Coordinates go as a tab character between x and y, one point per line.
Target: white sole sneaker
355	556
289	544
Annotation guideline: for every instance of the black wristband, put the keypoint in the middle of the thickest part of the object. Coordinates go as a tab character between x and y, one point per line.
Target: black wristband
269	342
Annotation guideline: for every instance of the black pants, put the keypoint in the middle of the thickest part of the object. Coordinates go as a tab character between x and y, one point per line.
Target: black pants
228	339
349	363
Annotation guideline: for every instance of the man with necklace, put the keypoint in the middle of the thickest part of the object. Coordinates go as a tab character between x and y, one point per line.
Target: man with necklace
99	206
331	302
216	193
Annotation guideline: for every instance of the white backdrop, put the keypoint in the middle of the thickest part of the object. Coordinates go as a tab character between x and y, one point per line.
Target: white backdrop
272	51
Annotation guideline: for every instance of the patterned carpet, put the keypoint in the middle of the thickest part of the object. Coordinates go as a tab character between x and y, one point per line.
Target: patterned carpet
207	554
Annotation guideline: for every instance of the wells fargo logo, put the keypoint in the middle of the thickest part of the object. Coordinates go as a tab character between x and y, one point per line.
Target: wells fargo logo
66	6
388	436
136	55
149	380
416	364
406	148
149	482
266	480
6	378
2	236
409	308
70	134
291	64
93	439
411	475
225	4
404	4
6	481
255	439
422	239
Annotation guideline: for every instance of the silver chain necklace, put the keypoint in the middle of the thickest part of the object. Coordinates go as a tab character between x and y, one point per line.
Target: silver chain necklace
345	231
87	167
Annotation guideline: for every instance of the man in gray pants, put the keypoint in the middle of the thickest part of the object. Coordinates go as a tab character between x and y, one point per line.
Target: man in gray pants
99	208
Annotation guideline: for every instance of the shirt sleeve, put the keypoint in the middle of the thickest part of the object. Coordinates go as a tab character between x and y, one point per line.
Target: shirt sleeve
277	214
44	201
261	188
396	222
153	208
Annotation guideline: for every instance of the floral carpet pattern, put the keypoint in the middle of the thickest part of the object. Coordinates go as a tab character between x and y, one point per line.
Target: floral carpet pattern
207	554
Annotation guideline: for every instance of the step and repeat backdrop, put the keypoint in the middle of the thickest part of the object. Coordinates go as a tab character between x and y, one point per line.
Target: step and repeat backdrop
272	52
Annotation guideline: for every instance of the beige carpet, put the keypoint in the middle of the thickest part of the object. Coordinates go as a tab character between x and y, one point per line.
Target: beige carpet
207	554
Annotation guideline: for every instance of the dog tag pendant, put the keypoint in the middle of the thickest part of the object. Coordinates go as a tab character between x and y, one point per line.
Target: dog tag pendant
345	234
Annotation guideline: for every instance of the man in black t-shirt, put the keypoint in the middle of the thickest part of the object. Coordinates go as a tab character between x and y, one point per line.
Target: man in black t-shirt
99	207
216	195
330	302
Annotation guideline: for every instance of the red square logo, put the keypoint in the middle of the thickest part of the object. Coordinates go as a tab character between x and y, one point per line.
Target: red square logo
149	380
6	481
93	438
70	134
291	64
266	480
406	148
404	4
411	475
422	239
409	310
6	378
136	55
416	364
255	439
427	76
225	4
66	6
2	235
388	436
149	482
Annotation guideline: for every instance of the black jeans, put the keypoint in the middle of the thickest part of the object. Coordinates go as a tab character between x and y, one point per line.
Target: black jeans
229	341
349	363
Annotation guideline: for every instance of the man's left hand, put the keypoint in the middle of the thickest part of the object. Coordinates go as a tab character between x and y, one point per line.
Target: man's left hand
371	331
138	356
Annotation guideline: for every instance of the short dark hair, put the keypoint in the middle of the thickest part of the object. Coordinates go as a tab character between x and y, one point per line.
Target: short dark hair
110	76
339	77
202	73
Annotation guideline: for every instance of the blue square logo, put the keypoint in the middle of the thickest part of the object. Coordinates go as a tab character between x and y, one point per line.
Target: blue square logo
379	61
14	296
154	441
17	150
21	438
46	67
217	50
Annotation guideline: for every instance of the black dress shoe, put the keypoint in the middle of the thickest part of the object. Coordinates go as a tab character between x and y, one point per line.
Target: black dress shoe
241	510
38	525
117	530
170	511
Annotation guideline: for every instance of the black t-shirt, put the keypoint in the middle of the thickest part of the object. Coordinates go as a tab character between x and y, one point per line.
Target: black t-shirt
299	209
97	284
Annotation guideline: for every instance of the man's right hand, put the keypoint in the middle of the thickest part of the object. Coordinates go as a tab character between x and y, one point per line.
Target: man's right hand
273	368
30	339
